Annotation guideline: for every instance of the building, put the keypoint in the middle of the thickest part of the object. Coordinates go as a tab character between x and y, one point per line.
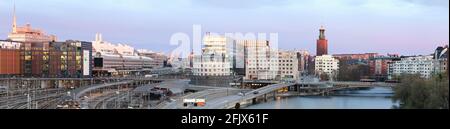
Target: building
423	65
158	58
361	57
322	43
326	64
303	58
441	55
10	58
258	60
69	59
27	33
119	59
214	66
264	63
379	66
288	65
215	59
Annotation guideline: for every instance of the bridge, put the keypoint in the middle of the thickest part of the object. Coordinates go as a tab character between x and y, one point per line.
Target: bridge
309	88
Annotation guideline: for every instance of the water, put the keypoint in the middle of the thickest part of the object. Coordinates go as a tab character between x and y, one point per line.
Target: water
374	98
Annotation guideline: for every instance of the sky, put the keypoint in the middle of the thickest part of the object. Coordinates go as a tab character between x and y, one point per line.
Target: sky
407	27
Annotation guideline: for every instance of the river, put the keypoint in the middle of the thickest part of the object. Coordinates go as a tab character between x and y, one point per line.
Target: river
373	98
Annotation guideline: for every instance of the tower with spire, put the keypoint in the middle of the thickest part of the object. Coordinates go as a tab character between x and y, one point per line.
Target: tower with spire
322	32
14	27
322	43
27	33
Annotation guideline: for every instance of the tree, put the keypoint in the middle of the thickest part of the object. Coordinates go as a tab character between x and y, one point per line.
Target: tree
352	72
415	92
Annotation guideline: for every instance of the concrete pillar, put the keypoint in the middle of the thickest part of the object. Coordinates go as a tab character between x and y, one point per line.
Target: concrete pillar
265	97
274	95
254	101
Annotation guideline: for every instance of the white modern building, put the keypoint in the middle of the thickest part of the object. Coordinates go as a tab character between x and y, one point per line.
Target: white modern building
118	59
326	64
158	57
259	60
215	59
423	65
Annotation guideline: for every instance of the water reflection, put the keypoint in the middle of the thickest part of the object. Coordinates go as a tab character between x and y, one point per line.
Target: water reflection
373	98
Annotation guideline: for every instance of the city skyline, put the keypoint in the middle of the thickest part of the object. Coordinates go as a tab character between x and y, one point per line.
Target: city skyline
406	25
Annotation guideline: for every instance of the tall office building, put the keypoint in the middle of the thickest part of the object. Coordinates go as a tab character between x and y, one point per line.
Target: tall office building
214	66
215	59
322	43
258	60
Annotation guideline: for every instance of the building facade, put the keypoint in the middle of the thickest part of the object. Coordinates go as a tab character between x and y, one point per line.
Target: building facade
10	58
326	64
215	59
304	61
362	57
158	58
259	62
119	59
379	66
213	67
288	65
69	59
441	55
423	65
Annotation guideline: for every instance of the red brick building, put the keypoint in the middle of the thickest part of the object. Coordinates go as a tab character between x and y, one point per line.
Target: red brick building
10	58
379	66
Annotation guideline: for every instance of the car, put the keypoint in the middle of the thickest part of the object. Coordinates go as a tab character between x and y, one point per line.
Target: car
256	92
241	94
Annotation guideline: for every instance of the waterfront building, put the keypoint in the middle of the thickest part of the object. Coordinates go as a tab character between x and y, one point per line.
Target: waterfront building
326	64
259	63
379	66
304	59
288	65
423	65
